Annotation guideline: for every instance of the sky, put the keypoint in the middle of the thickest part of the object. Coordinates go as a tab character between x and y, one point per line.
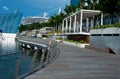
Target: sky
33	7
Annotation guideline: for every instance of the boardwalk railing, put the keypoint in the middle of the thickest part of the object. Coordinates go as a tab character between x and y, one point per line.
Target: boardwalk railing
21	64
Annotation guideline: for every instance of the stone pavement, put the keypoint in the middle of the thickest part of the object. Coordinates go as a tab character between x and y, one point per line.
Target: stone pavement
79	63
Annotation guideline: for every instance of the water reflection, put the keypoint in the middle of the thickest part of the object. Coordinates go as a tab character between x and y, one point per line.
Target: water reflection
38	51
8	62
9	45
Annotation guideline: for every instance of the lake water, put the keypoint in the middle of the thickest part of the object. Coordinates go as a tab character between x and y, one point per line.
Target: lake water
8	62
9	46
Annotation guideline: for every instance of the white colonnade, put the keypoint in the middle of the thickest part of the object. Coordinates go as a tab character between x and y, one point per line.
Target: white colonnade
74	23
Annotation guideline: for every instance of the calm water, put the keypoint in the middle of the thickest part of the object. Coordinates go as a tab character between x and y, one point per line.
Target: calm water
9	46
8	62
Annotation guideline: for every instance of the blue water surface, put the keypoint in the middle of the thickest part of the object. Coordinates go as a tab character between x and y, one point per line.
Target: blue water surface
9	56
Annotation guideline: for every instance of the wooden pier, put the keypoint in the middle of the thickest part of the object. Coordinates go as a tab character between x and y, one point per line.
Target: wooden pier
80	63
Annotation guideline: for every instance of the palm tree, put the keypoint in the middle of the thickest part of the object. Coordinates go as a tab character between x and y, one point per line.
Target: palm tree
118	9
61	16
92	4
56	20
110	7
52	21
69	9
95	4
80	5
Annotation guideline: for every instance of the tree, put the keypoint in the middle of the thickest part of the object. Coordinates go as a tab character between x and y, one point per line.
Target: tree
61	16
56	20
21	28
52	21
93	4
110	7
45	24
80	5
69	9
118	9
30	26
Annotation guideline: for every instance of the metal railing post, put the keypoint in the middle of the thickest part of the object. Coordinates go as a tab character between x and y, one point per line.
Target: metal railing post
18	66
47	56
33	61
42	58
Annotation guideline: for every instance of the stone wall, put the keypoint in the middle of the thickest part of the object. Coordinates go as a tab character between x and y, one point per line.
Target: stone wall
106	38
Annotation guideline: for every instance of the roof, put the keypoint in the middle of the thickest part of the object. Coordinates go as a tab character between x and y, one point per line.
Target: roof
86	13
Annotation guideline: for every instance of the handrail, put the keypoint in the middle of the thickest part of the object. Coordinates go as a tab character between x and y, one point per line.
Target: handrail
30	61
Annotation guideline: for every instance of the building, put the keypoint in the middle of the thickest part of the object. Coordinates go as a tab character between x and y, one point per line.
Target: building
8	28
34	19
9	23
37	32
45	30
74	2
80	23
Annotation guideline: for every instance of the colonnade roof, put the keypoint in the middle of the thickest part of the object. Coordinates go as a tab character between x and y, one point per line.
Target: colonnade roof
86	13
77	27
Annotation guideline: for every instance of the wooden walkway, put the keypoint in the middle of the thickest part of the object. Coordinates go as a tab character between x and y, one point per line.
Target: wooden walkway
78	63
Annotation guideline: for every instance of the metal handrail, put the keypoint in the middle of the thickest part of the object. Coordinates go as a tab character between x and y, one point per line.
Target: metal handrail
35	59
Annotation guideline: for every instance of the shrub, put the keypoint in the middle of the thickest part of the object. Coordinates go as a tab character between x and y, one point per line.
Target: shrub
70	40
58	38
117	24
104	26
107	26
82	41
95	27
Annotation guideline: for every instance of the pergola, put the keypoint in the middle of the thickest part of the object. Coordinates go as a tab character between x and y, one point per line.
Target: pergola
74	24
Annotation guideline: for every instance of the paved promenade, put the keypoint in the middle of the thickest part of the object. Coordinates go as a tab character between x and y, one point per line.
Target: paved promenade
78	63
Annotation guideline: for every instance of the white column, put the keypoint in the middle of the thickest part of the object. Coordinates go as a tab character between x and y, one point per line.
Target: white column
78	25
70	25
91	22
68	22
75	24
63	27
102	19
87	24
66	25
81	14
